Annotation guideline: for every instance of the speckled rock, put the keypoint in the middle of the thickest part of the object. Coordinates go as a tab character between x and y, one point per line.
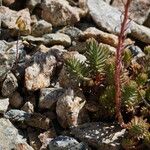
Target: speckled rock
65	143
10	137
9	85
16	101
28	107
49	96
12	20
38	74
69	104
4	102
57	39
17	115
100	135
40	28
65	16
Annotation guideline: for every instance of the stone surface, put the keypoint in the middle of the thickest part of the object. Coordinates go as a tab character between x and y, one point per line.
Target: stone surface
28	107
69	104
16	21
57	39
38	74
111	20
65	143
139	9
8	56
100	135
9	85
49	96
39	121
40	28
17	115
10	137
65	16
8	2
4	102
103	37
16	101
32	3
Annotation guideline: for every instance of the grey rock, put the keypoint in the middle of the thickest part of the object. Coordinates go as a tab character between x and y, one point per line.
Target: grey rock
28	107
17	115
32	3
38	75
40	28
139	9
57	39
111	21
65	16
65	143
9	85
73	32
69	104
10	137
8	56
100	135
16	21
4	105
16	101
49	96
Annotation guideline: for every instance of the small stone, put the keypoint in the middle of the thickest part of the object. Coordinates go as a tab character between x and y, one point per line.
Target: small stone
32	3
65	16
40	28
17	115
49	96
4	105
39	121
28	107
57	39
9	85
16	101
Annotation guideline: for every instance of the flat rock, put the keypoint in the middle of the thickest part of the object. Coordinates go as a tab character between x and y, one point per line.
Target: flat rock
4	102
10	137
28	107
139	9
9	85
40	28
49	96
15	21
65	16
111	21
100	135
38	74
57	39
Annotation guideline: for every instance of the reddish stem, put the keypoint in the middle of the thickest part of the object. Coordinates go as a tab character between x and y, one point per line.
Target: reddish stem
118	64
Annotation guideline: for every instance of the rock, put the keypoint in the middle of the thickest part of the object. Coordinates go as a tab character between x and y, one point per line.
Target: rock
16	21
32	3
49	96
46	137
16	101
8	2
39	121
65	16
70	105
38	74
9	85
139	9
111	20
73	32
100	135
65	143
57	39
147	21
8	56
40	28
10	137
17	115
4	105
28	107
103	37
33	138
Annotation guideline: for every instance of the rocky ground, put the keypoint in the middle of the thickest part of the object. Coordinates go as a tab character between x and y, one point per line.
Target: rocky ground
40	107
